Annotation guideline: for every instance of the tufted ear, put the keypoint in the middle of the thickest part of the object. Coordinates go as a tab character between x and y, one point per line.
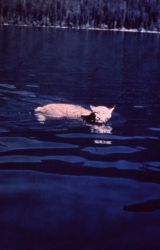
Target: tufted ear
92	108
112	109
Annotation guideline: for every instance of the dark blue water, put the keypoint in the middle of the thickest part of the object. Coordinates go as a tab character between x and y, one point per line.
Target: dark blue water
65	184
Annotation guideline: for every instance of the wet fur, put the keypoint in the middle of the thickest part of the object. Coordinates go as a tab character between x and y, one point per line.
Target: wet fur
99	114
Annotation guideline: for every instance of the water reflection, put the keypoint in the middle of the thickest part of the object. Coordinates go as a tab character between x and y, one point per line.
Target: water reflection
103	129
102	142
40	118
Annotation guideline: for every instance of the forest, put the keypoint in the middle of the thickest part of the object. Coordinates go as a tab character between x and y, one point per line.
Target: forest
106	14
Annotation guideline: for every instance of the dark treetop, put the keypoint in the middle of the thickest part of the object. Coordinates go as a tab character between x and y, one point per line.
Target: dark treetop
131	14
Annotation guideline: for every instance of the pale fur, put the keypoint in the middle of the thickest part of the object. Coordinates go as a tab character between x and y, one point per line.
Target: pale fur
71	111
61	110
103	114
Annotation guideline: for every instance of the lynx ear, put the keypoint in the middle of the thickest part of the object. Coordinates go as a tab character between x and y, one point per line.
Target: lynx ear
112	109
92	108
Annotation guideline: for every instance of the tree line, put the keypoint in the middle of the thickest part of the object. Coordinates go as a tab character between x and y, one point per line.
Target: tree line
111	14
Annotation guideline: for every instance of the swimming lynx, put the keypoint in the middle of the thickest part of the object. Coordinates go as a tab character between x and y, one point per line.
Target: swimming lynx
96	114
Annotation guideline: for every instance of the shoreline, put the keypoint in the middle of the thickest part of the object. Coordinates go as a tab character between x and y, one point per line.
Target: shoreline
83	28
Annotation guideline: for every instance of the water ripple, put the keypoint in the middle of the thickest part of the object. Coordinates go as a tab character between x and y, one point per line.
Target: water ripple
107	136
72	159
8	86
113	150
155	129
20	143
153	165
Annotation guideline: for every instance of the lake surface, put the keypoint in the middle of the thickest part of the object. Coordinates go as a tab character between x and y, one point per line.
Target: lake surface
65	184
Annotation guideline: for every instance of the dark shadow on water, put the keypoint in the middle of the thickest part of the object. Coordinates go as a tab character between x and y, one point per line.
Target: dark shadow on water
61	168
148	206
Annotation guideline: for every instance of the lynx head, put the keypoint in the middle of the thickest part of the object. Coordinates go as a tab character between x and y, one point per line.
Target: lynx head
103	114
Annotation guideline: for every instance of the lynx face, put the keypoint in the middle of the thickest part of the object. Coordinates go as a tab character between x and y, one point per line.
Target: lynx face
103	114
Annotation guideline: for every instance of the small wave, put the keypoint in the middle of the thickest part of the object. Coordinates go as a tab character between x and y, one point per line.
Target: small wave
22	143
25	93
3	130
138	106
155	129
8	86
113	150
32	86
148	206
107	136
72	159
18	92
153	165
